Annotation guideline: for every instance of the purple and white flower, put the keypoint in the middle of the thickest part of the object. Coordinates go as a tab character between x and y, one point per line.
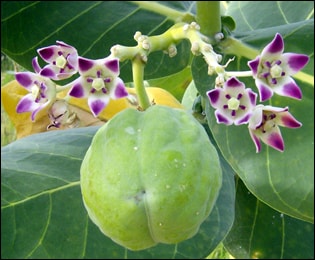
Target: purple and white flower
233	103
272	70
99	82
42	92
264	125
62	59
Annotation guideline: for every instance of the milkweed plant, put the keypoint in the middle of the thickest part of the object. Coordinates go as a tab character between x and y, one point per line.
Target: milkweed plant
245	79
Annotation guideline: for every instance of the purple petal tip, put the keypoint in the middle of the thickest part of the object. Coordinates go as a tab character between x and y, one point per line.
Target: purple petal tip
47	72
256	142
297	61
222	119
292	90
24	105
24	78
233	82
276	45
120	91
213	96
276	141
97	106
46	53
77	91
264	92
85	64
289	121
253	65
113	65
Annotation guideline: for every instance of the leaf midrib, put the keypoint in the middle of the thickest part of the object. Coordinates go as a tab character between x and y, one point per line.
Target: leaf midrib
49	192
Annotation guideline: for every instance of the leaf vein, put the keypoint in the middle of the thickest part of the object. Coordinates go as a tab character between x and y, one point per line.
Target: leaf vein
253	227
11	189
282	13
19	11
274	188
58	29
243	15
283	238
42	175
40	241
85	236
109	29
51	191
310	15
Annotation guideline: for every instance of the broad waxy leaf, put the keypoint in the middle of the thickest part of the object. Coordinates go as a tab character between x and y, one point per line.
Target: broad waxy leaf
284	181
50	194
266	233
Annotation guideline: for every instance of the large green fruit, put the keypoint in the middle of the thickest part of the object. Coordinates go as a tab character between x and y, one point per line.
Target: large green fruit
150	177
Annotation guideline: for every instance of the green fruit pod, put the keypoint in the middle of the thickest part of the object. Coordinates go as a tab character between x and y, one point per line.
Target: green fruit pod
150	177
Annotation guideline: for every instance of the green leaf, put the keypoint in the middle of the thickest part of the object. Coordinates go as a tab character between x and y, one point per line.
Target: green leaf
276	13
189	96
266	233
284	181
92	27
175	83
42	214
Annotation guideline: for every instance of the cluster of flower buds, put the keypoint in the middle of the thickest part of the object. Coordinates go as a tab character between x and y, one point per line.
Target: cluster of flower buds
98	81
272	71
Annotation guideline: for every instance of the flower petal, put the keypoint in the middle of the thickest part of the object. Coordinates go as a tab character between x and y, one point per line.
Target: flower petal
222	119
53	72
233	86
288	88
78	89
293	62
274	109
73	61
256	140
256	118
252	97
287	120
25	79
36	110
274	139
85	64
26	104
63	44
243	120
49	53
274	48
253	65
214	96
113	65
265	92
97	103
119	90
50	72
35	65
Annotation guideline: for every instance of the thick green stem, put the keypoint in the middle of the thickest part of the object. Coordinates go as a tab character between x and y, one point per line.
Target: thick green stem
209	17
138	77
